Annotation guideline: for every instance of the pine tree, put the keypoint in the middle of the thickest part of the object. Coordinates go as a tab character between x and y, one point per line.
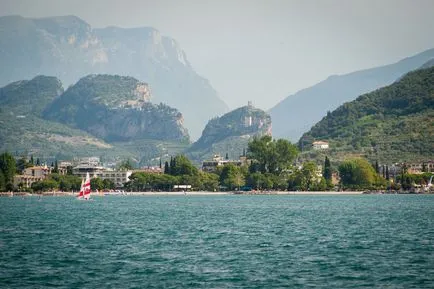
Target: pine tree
227	156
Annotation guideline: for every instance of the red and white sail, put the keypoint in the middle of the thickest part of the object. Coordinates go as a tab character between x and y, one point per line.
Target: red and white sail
81	193
86	187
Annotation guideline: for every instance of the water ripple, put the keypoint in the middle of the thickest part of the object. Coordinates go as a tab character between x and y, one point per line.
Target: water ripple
218	242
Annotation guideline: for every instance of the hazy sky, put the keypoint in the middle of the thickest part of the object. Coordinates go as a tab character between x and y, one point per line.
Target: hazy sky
264	50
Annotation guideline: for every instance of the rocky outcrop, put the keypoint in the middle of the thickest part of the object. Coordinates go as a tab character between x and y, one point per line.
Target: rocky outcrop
116	108
231	132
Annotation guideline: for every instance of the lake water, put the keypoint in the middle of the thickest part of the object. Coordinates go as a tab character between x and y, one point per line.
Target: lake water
372	241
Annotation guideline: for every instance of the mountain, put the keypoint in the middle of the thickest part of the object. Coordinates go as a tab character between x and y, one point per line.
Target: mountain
69	48
299	112
102	115
23	131
116	108
391	124
230	133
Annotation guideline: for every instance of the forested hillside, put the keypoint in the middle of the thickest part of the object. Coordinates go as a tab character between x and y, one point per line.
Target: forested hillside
391	124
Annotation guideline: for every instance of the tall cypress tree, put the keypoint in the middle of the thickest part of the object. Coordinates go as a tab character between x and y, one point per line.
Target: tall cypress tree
327	174
8	169
171	166
387	172
377	168
166	167
56	168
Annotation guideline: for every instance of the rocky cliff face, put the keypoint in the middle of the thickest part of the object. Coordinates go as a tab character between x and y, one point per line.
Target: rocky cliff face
68	48
116	108
231	132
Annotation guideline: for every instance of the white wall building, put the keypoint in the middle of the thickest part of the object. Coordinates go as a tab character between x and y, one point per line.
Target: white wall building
320	145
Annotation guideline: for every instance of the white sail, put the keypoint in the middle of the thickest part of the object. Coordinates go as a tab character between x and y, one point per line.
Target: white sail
87	188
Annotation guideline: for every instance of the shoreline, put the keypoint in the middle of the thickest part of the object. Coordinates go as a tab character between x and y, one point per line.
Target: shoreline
204	193
193	193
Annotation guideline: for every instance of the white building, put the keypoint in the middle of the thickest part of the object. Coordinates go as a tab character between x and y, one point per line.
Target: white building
320	145
119	178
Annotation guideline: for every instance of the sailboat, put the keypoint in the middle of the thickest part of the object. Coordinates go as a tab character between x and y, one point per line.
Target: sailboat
85	189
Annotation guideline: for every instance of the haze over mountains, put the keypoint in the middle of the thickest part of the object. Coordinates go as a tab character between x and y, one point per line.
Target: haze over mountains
116	78
69	48
297	113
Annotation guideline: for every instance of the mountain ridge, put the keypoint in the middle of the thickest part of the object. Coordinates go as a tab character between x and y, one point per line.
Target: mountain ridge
391	124
297	113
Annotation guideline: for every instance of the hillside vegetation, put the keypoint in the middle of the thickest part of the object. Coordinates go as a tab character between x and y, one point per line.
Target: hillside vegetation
230	133
391	124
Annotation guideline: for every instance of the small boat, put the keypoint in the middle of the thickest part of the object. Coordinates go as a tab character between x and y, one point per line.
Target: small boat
85	189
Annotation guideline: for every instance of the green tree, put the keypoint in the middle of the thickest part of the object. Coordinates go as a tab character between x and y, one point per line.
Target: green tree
22	164
305	178
126	165
8	169
424	167
183	166
69	170
232	176
108	184
166	168
45	185
270	155
210	181
357	174
96	184
56	167
2	181
327	172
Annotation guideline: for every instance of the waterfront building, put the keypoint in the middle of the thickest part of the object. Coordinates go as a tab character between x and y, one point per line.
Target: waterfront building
118	177
218	161
31	175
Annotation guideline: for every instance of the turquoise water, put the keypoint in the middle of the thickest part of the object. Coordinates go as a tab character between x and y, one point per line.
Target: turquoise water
375	241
